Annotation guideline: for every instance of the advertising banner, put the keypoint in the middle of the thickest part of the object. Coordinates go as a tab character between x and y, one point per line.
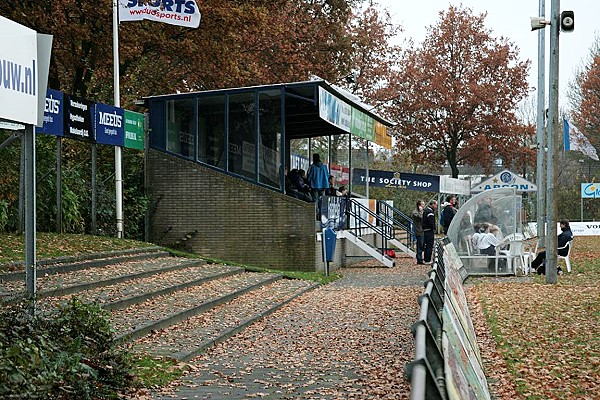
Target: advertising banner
182	12
79	119
505	178
333	212
362	125
110	128
399	180
18	73
134	130
53	114
334	110
590	190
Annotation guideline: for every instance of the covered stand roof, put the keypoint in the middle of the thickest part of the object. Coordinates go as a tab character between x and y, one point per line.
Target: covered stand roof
306	110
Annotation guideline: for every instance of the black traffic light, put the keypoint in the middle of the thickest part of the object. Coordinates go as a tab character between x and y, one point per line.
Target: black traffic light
567	21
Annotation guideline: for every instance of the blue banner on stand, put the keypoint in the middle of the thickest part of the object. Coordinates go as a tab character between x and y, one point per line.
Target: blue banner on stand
333	212
53	114
399	180
110	127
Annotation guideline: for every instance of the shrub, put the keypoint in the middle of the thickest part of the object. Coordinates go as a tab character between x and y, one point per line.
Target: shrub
68	353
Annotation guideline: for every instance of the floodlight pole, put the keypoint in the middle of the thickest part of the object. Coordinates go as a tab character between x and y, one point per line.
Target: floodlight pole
117	102
541	124
553	135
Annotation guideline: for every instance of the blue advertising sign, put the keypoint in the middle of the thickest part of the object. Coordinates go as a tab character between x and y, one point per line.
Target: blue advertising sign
53	114
79	121
110	127
590	190
333	212
400	180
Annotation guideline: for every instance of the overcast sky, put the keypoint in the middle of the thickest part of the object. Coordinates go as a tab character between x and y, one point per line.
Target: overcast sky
511	19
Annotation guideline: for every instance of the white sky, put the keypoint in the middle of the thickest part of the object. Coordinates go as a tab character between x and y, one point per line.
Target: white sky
511	19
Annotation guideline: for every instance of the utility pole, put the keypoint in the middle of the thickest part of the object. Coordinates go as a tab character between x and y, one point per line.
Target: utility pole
541	125
553	130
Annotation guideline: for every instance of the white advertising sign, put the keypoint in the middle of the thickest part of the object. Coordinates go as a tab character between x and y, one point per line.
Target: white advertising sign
455	186
584	228
181	12
505	178
334	110
18	73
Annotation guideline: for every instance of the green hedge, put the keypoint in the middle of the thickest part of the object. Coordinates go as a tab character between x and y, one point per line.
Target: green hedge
67	354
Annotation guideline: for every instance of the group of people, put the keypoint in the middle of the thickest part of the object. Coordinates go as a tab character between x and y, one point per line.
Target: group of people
313	185
424	225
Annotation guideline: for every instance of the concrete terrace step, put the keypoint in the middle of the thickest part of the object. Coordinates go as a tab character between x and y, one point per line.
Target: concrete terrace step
138	288
77	280
141	319
74	263
194	335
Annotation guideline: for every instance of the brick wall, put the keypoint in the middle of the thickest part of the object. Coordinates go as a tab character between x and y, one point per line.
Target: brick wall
228	218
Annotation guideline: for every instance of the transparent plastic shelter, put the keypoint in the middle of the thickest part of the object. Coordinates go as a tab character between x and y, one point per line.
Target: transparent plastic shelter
501	207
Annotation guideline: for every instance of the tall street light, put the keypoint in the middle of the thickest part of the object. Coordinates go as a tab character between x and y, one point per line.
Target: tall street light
565	22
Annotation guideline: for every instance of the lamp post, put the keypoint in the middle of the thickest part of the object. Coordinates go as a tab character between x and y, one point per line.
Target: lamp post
553	131
541	124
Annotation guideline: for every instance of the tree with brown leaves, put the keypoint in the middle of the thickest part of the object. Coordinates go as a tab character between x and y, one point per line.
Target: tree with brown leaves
586	111
458	101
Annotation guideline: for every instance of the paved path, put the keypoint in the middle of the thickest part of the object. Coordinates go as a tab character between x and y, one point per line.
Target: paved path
347	340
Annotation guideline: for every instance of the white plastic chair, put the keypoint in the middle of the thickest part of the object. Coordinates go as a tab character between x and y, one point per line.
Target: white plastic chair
514	253
529	256
569	247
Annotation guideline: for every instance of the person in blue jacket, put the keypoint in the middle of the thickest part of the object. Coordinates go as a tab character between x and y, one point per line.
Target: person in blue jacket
318	177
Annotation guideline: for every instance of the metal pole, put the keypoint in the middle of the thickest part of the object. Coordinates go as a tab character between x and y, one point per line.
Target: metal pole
118	156
94	227
541	119
59	225
553	135
367	170
30	267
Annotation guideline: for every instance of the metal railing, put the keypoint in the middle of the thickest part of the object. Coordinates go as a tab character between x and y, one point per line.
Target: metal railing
447	319
426	372
402	223
362	220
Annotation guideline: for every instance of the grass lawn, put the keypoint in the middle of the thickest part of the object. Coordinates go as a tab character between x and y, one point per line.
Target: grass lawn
549	335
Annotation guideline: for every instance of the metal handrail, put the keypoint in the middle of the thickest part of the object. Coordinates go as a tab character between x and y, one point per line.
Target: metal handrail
381	227
400	221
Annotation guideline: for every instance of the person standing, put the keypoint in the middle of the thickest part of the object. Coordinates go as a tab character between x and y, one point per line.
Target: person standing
429	230
318	178
417	218
448	213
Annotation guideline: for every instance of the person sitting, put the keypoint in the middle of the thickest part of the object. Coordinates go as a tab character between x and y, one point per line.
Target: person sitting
487	244
538	264
299	188
477	235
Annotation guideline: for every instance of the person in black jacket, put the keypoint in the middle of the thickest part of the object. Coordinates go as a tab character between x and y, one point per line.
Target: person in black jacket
563	238
429	230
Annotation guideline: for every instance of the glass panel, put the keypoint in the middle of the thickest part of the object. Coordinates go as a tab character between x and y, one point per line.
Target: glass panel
242	138
269	123
211	130
180	127
340	160
299	154
359	161
495	207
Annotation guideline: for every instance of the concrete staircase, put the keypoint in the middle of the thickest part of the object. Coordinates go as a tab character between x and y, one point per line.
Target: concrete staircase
159	304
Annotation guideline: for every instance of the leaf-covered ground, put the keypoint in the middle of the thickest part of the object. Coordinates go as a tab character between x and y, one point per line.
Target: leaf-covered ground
546	337
50	245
